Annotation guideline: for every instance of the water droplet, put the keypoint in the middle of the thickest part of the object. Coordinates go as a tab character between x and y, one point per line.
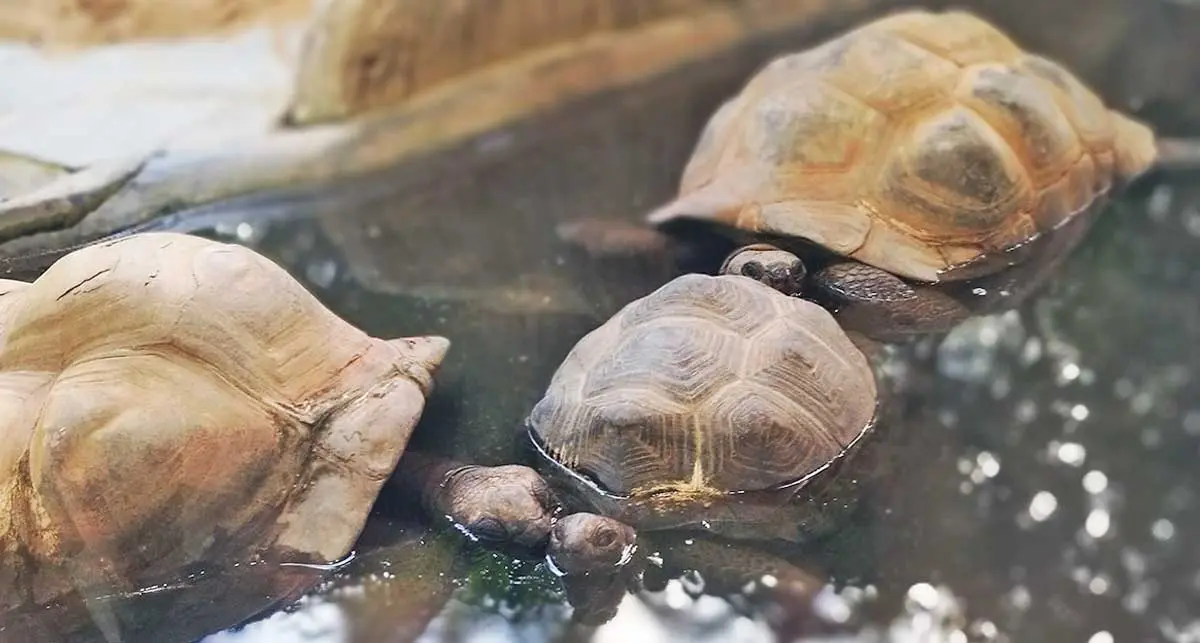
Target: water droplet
321	273
988	464
1163	529
1032	351
1071	453
1068	372
1042	506
1158	206
1101	637
1098	585
832	607
1191	422
1020	597
979	292
1079	412
244	232
1095	482
1026	411
1097	523
1141	403
987	629
1191	221
924	595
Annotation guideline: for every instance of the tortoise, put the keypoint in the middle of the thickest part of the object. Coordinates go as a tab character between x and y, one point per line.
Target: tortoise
267	424
710	403
717	406
911	159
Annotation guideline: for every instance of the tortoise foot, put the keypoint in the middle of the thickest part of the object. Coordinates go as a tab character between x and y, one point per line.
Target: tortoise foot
500	506
762	262
603	237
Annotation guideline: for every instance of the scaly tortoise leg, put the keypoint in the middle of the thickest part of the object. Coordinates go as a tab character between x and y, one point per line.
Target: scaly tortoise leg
883	306
763	262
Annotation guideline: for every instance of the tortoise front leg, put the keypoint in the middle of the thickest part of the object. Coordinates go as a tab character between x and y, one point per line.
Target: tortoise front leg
763	262
883	306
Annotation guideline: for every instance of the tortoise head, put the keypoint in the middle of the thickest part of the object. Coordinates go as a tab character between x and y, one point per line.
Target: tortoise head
502	504
587	542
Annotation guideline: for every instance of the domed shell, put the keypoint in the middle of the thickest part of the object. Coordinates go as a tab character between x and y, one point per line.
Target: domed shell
168	400
916	143
707	384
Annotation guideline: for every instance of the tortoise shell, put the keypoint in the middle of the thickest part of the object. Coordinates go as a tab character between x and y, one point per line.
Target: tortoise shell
707	384
916	143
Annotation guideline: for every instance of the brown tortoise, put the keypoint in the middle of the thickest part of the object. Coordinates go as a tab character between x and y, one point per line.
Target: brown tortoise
906	157
707	403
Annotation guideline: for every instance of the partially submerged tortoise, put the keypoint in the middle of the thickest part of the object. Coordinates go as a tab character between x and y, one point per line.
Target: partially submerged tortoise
263	424
904	157
161	415
715	403
711	402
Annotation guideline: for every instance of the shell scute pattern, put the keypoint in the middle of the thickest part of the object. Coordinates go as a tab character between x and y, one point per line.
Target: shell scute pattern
694	299
716	383
1026	116
914	143
960	37
690	361
816	136
884	72
957	175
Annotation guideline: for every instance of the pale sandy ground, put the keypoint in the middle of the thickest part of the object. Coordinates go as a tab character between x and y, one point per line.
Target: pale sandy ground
65	23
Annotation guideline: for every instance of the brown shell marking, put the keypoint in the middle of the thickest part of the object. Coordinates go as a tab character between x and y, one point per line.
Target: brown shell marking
707	384
914	143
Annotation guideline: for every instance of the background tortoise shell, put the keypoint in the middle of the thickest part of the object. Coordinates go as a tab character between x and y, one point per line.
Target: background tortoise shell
915	143
707	384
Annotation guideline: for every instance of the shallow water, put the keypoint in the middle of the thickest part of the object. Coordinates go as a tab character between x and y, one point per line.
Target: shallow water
1035	482
1038	484
1045	488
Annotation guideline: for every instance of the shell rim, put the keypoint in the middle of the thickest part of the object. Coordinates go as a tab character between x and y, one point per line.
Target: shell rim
543	453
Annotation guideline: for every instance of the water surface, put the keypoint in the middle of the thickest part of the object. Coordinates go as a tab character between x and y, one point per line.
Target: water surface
1039	482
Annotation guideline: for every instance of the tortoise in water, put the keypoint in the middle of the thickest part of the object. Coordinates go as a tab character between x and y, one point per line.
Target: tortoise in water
906	157
266	425
711	402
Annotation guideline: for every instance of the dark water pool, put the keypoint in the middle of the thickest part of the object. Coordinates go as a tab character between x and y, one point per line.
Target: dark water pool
1041	482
